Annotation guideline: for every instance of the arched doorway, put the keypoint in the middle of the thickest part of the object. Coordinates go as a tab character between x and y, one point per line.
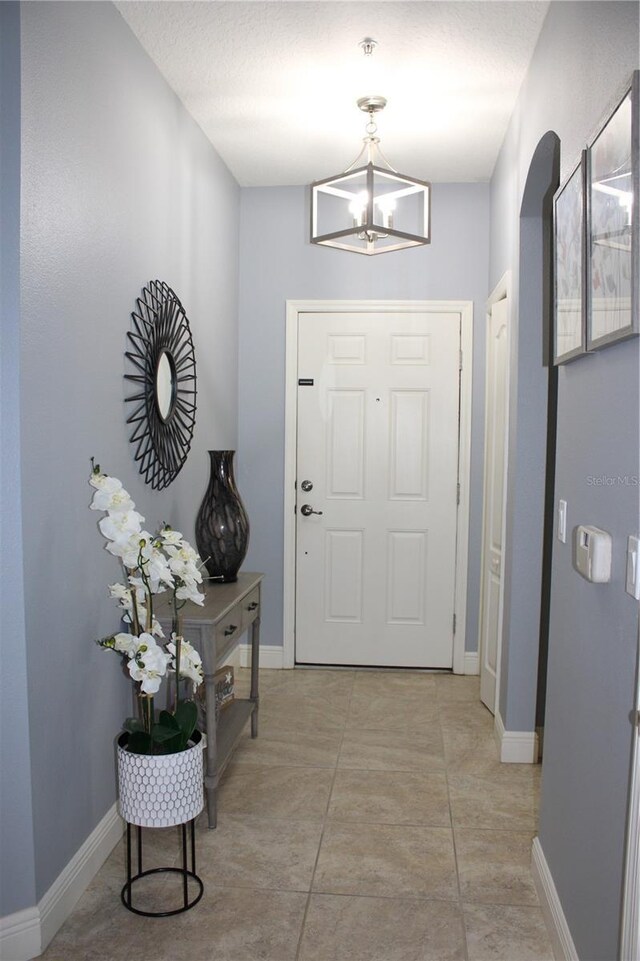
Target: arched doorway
532	416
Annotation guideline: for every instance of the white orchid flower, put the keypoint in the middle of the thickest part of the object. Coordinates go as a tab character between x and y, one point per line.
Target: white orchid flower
104	483
170	536
121	525
125	643
194	674
184	551
121	594
149	664
190	661
191	578
179	562
189	593
158	566
129	550
119	591
113	501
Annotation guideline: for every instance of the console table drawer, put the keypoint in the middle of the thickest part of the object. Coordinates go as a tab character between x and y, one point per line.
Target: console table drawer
250	608
228	632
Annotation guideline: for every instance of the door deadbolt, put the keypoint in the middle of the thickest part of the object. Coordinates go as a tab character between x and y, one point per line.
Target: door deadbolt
306	486
306	510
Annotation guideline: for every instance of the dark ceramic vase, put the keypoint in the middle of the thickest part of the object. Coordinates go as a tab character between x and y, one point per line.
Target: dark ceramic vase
222	525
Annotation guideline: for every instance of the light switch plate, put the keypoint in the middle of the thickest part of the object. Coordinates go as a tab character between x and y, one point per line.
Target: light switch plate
633	567
562	521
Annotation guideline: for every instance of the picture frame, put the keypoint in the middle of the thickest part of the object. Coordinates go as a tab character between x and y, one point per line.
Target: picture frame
569	262
612	224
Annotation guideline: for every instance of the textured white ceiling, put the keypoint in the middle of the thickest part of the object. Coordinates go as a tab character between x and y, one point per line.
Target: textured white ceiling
273	84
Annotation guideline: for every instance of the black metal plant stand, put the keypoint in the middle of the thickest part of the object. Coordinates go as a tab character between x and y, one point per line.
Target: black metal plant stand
184	871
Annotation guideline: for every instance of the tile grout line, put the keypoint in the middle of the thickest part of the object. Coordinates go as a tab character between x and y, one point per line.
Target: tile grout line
453	840
324	825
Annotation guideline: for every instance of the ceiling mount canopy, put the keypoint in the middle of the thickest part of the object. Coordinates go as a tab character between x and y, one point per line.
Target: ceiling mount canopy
370	208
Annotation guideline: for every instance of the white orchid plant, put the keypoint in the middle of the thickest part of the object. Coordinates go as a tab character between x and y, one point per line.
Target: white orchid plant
152	564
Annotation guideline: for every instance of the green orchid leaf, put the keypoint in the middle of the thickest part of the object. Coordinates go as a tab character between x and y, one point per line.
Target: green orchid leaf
186	717
162	733
139	743
174	745
168	720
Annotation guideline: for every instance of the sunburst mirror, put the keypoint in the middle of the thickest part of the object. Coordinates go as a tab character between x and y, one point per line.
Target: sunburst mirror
164	365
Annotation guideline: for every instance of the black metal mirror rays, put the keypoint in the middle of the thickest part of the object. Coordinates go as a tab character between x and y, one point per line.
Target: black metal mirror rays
163	425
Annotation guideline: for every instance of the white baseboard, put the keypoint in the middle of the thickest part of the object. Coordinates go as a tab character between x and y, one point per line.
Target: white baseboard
271	657
515	747
559	934
26	934
471	662
65	892
20	935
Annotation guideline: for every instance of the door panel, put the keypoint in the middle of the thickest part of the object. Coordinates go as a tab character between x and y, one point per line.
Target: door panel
344	552
378	440
407	552
345	444
409	441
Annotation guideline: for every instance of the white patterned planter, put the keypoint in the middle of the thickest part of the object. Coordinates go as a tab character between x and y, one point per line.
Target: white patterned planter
160	790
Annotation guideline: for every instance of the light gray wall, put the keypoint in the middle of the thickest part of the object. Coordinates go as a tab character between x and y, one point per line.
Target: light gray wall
17	883
119	186
277	263
586	51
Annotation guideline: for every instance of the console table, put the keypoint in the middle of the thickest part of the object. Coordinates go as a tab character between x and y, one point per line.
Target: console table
215	630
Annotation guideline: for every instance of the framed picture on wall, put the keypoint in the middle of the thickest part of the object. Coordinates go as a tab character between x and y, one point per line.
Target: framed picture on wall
612	219
569	300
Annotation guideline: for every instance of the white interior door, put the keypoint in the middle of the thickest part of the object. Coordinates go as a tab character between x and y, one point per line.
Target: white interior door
494	495
377	440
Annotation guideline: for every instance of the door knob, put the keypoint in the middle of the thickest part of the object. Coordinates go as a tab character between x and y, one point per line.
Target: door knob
306	486
306	510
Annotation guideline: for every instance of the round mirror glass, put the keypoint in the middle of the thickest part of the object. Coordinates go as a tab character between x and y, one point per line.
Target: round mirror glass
165	384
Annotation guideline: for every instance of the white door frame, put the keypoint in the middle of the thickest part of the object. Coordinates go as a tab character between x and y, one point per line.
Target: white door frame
630	935
499	292
295	307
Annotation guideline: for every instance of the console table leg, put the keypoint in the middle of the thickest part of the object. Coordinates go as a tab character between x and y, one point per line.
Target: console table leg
211	767
255	667
212	805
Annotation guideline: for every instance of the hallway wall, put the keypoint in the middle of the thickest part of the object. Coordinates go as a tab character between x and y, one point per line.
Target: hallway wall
278	263
119	186
17	887
585	55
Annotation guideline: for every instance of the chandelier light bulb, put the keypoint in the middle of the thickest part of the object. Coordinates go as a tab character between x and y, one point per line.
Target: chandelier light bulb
386	205
358	208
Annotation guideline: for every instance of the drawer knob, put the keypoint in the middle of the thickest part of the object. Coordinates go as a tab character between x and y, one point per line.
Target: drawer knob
229	630
252	606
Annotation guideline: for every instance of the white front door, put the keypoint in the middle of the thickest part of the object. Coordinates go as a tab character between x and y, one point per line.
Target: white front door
494	494
377	461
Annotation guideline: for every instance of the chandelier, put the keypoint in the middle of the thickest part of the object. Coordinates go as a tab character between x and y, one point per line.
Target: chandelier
370	208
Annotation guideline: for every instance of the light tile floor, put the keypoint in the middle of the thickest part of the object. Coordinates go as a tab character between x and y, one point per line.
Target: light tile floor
370	821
